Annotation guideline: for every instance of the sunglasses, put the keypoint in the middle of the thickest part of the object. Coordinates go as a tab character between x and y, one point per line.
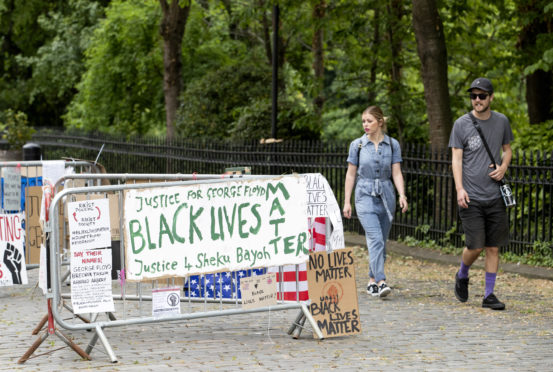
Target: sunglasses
482	96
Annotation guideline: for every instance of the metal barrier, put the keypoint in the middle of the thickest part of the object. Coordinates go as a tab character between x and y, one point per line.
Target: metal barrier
27	174
133	313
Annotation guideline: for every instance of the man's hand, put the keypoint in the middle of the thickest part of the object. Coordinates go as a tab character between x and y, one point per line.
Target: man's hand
12	260
463	198
498	173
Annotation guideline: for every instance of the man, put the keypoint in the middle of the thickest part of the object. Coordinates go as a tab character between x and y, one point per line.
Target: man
481	207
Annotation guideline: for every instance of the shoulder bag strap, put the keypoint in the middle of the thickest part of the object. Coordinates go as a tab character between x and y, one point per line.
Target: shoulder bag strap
477	126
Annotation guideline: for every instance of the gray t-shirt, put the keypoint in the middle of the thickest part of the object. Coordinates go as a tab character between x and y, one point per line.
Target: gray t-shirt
476	161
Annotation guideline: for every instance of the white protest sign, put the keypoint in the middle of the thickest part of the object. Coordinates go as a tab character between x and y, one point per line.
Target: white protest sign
322	203
234	225
12	188
91	281
259	291
12	258
89	224
165	302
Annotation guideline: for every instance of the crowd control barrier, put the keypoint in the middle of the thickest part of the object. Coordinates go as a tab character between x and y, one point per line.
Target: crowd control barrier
133	290
21	194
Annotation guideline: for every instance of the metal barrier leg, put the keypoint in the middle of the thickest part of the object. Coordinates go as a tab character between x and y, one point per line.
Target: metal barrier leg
51	330
40	325
92	343
106	344
296	322
299	328
312	321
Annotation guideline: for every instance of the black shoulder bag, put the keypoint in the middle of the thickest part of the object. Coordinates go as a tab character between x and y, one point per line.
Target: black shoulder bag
505	189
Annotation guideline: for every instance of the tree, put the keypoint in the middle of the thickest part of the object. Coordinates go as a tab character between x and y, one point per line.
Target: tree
535	40
173	23
431	48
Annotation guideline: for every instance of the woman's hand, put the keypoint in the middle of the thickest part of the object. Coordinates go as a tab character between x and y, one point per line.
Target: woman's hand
403	203
347	210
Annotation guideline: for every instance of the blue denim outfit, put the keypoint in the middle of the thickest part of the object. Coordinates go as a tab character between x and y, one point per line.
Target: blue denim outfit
375	197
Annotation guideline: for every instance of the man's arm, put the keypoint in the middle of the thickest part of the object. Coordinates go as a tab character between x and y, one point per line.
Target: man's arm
457	167
498	173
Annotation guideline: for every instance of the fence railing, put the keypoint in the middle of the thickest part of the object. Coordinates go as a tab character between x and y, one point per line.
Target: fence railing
429	183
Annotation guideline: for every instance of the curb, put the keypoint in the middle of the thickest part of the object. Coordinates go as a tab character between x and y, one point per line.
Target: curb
425	254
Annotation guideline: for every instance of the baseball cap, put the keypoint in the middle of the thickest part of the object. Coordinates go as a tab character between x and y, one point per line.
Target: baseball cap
482	84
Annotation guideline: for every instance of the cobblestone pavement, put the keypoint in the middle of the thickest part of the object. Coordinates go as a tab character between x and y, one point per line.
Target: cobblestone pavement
420	326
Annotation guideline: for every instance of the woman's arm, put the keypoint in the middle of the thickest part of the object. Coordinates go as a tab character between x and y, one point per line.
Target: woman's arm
350	181
397	176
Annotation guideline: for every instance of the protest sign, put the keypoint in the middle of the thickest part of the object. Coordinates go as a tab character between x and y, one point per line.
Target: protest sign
165	302
333	294
321	202
33	230
259	291
91	281
12	258
202	228
89	224
12	188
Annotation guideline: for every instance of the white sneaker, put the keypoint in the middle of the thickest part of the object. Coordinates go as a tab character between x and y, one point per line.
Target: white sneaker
372	289
384	290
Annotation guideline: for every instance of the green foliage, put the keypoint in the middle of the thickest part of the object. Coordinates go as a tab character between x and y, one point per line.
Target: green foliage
527	135
15	129
122	91
541	254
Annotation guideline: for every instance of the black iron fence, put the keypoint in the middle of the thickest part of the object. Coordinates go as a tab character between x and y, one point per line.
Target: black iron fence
429	183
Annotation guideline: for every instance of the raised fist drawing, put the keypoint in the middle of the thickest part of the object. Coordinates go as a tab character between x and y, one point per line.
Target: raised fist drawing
12	260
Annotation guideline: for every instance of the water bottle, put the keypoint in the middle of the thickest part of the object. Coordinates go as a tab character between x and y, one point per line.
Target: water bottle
507	194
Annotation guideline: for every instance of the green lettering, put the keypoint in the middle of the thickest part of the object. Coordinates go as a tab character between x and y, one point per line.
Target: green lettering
276	206
255	230
177	237
150	244
193	226
288	242
230	225
302	238
164	230
242	222
136	233
273	189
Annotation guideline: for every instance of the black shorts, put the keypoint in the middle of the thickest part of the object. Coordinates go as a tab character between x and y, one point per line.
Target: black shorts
485	224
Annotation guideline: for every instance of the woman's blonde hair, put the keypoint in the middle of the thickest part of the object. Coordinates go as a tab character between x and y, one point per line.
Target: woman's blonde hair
377	113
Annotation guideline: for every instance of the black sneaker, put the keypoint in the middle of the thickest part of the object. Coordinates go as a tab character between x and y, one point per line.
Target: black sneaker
493	303
461	288
372	289
384	290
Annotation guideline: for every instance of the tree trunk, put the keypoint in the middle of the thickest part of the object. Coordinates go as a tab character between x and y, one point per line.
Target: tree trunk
371	97
172	28
319	10
539	90
432	51
395	13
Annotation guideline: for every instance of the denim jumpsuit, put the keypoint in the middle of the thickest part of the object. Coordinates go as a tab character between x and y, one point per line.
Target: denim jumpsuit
375	197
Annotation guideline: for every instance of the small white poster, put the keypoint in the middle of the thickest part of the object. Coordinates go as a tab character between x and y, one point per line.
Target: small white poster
165	302
91	281
12	259
12	188
258	291
89	224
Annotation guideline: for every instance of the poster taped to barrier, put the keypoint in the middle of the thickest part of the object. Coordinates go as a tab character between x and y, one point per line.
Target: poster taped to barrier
203	228
12	259
91	281
89	224
12	188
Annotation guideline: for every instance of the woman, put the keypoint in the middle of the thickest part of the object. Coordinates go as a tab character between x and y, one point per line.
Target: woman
374	160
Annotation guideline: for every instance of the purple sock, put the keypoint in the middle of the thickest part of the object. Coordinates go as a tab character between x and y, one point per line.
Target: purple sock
490	283
464	271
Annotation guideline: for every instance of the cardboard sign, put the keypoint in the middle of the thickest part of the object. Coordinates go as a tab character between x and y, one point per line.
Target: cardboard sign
33	230
333	294
210	227
258	291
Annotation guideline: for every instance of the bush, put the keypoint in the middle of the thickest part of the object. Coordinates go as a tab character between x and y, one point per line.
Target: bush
15	129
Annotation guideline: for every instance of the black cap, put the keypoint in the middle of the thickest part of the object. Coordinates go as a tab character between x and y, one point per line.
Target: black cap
482	84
